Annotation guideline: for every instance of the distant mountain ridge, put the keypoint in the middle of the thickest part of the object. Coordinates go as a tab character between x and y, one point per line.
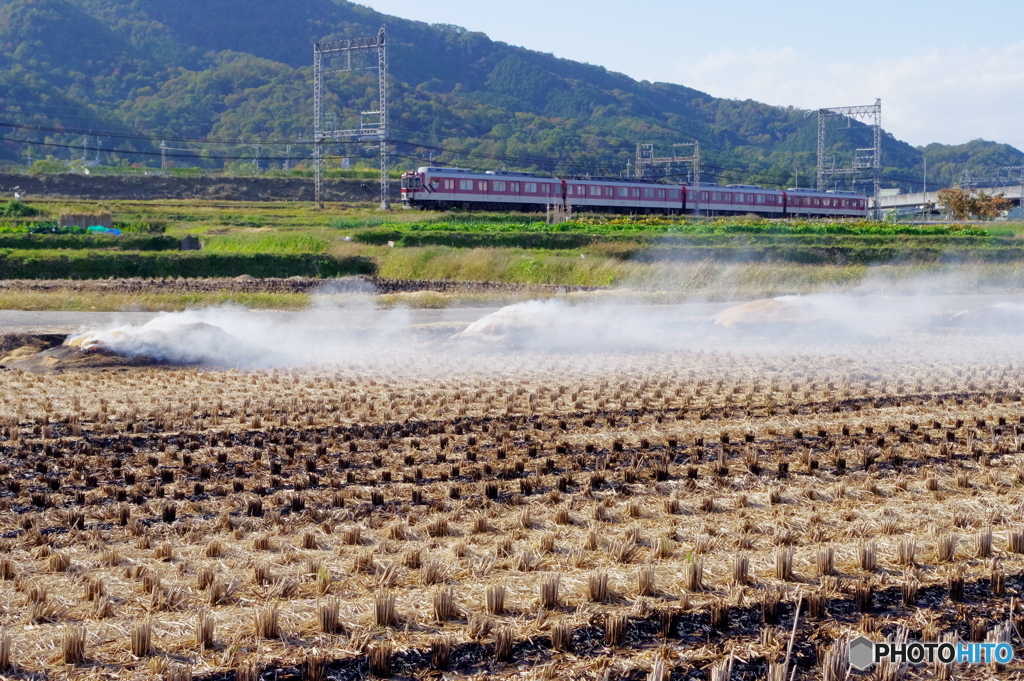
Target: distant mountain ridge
241	69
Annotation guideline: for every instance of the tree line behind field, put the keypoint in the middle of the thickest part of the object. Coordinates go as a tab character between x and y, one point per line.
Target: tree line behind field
240	70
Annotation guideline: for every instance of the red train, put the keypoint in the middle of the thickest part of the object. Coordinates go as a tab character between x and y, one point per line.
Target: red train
446	188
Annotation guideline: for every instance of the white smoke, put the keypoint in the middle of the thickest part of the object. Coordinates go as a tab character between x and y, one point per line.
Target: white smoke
233	336
922	325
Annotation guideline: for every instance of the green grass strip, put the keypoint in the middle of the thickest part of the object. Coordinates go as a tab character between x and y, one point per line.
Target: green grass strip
120	264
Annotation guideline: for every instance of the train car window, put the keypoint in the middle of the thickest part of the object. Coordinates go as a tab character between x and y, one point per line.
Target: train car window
716	196
661	193
466	185
514	186
499	186
648	193
449	184
581	189
548	189
673	194
623	191
609	191
635	192
481	185
760	198
530	187
595	190
703	196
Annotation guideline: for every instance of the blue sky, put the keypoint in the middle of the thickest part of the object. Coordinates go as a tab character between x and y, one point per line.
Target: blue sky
946	72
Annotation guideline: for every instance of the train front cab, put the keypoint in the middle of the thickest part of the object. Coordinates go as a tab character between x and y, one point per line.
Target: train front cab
414	187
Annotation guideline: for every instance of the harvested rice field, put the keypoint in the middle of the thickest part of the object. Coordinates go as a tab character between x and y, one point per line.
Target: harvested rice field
646	516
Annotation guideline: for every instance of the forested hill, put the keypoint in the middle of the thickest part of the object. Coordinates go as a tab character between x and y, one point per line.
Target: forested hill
241	70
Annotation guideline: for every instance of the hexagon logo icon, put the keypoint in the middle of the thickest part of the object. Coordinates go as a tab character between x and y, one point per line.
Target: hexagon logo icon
862	653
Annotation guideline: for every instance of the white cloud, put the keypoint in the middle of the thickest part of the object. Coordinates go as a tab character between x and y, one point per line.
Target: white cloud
934	95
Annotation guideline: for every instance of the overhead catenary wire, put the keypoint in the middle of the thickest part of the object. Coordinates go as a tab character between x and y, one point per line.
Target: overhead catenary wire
574	167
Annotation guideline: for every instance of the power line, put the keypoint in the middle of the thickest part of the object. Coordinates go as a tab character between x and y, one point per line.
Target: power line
551	163
129	152
131	136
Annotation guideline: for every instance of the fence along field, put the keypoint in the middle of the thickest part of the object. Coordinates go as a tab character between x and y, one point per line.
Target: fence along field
644	516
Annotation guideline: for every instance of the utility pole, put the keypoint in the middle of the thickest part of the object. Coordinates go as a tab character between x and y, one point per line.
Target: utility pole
867	158
256	158
287	156
376	130
645	157
163	155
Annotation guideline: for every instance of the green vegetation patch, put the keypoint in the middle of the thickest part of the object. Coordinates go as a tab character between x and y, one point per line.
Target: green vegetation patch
23	241
660	238
659	225
17	209
278	242
40	264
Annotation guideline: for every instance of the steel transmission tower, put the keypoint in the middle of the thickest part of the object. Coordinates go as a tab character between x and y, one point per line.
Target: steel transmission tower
373	125
869	158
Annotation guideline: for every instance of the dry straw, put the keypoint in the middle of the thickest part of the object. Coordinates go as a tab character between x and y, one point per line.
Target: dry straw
867	556
646	583
73	644
549	586
597	586
503	640
444	603
826	561
5	650
204	630
265	622
561	636
384	614
328	616
440	653
495	597
784	563
615	629
693	575
142	638
741	569
835	663
945	548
